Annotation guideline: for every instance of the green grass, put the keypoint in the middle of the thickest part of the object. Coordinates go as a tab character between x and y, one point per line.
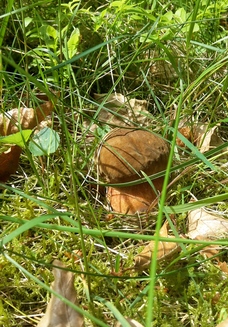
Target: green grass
175	57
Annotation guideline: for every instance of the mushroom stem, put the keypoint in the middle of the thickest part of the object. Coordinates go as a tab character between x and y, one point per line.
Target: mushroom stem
132	199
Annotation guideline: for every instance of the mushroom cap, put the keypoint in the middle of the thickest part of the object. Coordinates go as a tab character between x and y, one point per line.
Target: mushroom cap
124	153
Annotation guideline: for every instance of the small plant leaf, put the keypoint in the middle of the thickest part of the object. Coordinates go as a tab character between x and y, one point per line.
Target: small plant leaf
19	138
45	142
181	15
168	16
51	31
72	44
28	20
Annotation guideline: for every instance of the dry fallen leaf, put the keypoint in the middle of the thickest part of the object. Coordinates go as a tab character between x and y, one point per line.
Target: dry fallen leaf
206	138
165	250
187	133
224	323
201	135
223	266
121	111
211	251
9	162
161	70
132	322
59	314
26	118
202	224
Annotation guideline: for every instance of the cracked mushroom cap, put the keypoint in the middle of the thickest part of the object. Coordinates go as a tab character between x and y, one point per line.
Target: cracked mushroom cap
124	153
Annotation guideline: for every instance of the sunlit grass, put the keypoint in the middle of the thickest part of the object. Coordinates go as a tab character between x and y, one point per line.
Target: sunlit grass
51	208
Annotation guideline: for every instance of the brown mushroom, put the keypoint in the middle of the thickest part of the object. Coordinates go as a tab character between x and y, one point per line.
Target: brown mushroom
121	157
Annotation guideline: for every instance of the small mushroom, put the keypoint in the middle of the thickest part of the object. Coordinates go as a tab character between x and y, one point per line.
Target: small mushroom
121	157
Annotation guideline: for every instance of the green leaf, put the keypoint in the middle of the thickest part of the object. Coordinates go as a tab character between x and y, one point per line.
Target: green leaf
72	44
167	17
44	142
118	4
19	138
181	15
51	31
27	21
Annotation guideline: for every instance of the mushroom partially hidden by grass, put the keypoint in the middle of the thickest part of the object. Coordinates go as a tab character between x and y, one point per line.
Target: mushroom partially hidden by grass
122	157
